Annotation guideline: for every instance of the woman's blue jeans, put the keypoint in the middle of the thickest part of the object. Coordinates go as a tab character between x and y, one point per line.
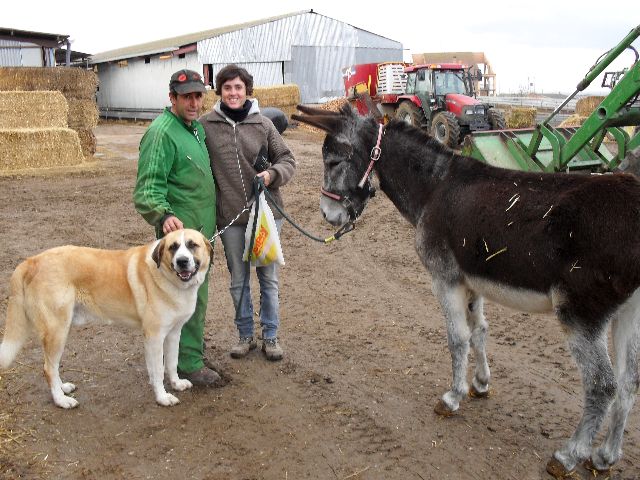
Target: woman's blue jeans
233	242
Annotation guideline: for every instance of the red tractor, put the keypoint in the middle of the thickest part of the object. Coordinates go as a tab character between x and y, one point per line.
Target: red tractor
437	97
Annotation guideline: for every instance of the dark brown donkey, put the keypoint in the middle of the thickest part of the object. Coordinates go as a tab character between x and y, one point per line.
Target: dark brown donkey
535	242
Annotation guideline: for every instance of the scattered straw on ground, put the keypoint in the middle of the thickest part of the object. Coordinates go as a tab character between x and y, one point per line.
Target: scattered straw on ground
32	109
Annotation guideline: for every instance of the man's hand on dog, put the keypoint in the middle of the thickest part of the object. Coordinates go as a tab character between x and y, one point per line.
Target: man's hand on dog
172	224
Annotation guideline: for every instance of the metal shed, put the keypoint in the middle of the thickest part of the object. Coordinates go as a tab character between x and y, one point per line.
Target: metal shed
304	48
23	48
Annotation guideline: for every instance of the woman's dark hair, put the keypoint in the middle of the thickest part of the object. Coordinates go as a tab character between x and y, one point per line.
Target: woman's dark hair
229	73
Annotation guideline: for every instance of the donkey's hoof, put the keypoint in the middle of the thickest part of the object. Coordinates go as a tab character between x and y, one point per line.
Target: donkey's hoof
442	409
589	465
557	469
473	393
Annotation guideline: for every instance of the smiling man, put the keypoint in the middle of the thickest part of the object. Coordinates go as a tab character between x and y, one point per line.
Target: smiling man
175	189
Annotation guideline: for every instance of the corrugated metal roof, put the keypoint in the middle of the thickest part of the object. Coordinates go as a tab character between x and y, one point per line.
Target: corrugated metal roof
39	38
173	43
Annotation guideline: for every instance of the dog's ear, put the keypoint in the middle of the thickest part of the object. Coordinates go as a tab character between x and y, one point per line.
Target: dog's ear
210	248
157	253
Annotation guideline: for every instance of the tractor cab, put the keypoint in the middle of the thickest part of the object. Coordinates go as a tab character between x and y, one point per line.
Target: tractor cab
448	89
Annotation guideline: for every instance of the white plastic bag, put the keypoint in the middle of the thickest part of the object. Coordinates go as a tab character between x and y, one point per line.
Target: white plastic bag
266	242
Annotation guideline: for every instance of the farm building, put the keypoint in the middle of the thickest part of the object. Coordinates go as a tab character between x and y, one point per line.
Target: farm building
302	48
22	48
485	83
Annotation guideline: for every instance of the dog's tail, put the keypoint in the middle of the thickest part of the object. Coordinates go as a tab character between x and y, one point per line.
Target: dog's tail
17	327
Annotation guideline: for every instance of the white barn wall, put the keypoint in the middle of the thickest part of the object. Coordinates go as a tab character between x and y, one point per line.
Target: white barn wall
139	85
20	54
311	49
307	49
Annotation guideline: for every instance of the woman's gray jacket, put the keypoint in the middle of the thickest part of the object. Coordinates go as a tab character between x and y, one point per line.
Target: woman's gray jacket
233	149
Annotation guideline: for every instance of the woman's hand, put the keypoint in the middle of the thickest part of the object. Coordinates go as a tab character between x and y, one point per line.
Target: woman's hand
266	177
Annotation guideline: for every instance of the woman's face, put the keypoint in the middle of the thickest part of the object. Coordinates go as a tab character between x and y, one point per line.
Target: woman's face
234	93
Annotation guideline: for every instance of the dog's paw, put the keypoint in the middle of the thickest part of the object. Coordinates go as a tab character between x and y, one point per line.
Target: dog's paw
181	384
167	400
65	402
68	387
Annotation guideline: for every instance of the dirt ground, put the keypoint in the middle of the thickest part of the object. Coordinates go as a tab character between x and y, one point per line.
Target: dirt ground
366	358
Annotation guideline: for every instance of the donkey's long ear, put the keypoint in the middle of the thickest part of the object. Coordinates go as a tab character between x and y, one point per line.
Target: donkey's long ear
329	123
315	111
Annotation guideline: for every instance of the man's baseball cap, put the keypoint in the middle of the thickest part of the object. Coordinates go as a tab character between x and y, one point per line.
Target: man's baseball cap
186	81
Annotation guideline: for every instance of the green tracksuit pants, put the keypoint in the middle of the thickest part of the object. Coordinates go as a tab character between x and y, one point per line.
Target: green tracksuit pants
191	354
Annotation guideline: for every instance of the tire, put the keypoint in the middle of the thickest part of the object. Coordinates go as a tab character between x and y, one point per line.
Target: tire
411	114
446	129
277	117
496	119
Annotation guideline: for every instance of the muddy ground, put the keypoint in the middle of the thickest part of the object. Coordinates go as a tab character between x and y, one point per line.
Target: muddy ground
366	358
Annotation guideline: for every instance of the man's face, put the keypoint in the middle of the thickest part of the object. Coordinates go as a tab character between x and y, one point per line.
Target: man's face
234	93
186	106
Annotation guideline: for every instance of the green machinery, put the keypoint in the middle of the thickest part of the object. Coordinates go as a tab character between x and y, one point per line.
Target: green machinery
548	149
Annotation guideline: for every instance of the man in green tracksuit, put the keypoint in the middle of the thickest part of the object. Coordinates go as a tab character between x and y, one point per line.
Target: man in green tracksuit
175	189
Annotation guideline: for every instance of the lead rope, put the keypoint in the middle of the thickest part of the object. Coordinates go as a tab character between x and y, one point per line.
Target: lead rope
258	186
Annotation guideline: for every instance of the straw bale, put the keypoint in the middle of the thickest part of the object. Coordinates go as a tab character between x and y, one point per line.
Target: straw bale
88	142
28	148
277	96
521	117
574	120
72	82
83	113
284	97
586	105
210	99
38	109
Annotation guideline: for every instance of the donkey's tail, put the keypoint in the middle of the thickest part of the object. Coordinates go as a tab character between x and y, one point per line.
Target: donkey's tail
17	327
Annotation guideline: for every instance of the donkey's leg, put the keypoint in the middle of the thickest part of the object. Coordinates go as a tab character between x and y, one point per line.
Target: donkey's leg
453	299
479	327
589	349
626	341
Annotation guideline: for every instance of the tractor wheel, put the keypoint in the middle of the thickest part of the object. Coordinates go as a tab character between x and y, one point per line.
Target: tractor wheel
496	119
445	129
411	114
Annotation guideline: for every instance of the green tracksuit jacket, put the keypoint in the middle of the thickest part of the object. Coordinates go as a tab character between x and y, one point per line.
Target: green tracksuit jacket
174	178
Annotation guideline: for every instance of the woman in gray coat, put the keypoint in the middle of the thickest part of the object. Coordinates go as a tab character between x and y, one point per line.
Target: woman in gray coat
244	144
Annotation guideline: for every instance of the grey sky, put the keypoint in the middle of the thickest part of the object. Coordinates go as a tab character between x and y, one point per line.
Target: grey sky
550	43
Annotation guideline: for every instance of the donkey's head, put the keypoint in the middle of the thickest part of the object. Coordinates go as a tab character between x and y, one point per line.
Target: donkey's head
346	153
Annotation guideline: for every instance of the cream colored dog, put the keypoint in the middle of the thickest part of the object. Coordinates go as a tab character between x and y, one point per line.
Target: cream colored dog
153	286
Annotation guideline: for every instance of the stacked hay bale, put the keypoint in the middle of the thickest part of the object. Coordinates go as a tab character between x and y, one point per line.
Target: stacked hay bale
284	97
521	117
584	107
76	85
574	120
34	133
